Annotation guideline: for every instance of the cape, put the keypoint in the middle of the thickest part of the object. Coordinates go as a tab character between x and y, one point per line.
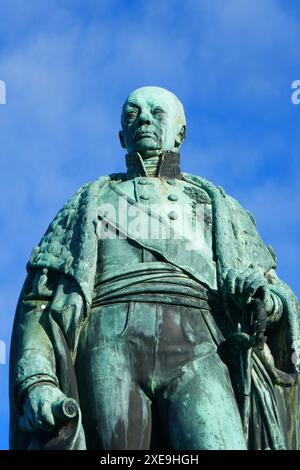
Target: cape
69	248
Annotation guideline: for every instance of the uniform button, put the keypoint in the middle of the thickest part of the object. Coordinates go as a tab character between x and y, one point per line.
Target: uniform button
172	215
143	181
144	197
173	197
171	182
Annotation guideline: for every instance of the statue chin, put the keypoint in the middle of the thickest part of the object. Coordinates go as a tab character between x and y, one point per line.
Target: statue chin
151	151
148	147
148	153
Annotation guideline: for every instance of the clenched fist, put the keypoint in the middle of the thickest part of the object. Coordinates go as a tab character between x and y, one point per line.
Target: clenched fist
38	408
244	286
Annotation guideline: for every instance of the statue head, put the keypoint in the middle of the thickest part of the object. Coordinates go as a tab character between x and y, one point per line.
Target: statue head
153	122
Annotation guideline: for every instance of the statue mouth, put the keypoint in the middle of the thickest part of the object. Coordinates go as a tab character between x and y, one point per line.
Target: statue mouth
144	132
144	135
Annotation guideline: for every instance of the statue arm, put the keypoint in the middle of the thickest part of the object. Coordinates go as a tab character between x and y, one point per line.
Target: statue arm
38	378
34	358
45	293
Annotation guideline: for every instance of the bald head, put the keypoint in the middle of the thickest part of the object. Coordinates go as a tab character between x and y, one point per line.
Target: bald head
153	121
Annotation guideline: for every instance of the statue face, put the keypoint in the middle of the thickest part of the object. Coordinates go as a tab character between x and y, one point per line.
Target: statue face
152	121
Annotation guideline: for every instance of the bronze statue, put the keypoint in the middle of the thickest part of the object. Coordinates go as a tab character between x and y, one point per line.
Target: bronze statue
152	315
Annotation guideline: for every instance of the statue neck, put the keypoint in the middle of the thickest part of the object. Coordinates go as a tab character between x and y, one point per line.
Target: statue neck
166	165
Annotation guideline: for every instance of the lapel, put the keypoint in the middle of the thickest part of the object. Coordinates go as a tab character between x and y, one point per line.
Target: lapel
175	247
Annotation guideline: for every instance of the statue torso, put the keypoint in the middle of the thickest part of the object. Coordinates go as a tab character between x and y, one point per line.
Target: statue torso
134	266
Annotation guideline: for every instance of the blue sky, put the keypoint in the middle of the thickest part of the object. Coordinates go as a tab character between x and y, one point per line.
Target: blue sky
68	65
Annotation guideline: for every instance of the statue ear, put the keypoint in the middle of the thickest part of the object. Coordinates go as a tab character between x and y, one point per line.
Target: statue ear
122	140
180	136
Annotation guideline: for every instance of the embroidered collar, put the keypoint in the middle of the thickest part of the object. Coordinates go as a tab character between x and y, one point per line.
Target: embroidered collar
168	166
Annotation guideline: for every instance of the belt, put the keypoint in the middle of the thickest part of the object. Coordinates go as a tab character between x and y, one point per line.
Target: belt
168	293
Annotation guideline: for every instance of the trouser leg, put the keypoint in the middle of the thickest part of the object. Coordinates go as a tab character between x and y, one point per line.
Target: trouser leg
116	412
117	419
168	353
199	410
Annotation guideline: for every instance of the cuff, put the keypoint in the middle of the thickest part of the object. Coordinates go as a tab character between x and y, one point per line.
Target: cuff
32	381
33	367
277	309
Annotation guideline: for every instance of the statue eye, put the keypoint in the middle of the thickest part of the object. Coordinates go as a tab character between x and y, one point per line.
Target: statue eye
158	112
131	114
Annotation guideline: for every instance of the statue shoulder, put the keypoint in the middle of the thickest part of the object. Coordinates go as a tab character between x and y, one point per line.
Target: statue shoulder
216	191
67	224
237	219
85	192
95	185
198	180
205	184
90	185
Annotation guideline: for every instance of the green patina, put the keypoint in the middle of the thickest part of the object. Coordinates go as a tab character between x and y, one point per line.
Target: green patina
92	310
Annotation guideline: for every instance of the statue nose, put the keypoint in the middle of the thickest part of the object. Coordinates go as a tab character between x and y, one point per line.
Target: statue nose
145	118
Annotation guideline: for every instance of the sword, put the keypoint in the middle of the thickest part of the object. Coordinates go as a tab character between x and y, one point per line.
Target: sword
249	335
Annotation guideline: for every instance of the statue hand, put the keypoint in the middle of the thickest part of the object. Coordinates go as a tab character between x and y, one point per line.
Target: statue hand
243	286
38	408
